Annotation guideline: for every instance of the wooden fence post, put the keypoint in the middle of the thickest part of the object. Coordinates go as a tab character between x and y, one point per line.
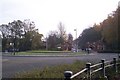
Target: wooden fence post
119	57
88	71
67	75
103	68
115	64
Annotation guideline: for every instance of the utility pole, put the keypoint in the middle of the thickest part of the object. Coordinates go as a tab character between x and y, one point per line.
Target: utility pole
46	44
14	40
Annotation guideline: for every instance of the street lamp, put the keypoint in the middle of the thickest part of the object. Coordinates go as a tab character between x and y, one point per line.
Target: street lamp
13	48
76	46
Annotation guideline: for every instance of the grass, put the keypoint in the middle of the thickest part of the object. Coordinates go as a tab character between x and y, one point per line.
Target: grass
109	72
46	51
58	72
52	72
39	52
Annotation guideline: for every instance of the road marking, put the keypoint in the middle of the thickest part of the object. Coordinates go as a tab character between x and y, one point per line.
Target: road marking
3	60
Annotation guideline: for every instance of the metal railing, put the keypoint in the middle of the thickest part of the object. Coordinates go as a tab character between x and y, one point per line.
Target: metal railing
89	70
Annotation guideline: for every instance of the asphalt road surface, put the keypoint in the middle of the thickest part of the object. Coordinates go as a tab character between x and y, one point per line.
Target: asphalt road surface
14	64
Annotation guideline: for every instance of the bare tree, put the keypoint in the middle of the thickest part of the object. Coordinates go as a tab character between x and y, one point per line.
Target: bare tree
62	31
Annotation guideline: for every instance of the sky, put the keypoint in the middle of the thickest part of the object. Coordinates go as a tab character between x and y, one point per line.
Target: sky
47	14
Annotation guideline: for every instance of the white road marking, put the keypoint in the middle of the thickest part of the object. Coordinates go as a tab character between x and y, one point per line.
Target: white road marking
3	60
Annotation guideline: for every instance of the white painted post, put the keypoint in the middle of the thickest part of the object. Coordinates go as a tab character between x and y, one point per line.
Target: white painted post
115	64
103	68
68	74
88	71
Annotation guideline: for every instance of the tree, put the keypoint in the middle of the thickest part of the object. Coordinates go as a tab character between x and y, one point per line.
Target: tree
22	35
88	35
70	41
110	30
4	29
57	40
107	31
62	36
52	40
61	31
32	39
29	25
11	33
36	41
16	29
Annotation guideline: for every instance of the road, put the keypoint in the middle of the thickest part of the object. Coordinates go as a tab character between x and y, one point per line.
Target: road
14	64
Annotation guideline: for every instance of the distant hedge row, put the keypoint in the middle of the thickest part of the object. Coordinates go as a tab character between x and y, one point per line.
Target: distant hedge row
109	51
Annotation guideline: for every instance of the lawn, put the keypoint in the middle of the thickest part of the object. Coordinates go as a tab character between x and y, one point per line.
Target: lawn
39	52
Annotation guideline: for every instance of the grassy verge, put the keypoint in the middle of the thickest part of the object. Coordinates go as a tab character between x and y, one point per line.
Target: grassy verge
52	72
58	72
112	75
37	52
109	73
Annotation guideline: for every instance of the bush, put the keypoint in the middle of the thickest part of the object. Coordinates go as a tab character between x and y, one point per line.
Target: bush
109	51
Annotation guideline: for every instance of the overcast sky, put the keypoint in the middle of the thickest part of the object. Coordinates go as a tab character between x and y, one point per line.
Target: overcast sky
47	14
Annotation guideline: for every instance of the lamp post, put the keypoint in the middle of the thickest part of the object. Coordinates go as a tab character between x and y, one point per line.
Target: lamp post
76	46
13	47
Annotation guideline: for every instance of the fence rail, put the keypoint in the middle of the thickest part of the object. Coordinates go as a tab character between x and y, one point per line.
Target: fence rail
103	65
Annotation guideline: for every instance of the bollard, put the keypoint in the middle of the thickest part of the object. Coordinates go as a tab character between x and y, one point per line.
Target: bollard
88	71
115	64
68	74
